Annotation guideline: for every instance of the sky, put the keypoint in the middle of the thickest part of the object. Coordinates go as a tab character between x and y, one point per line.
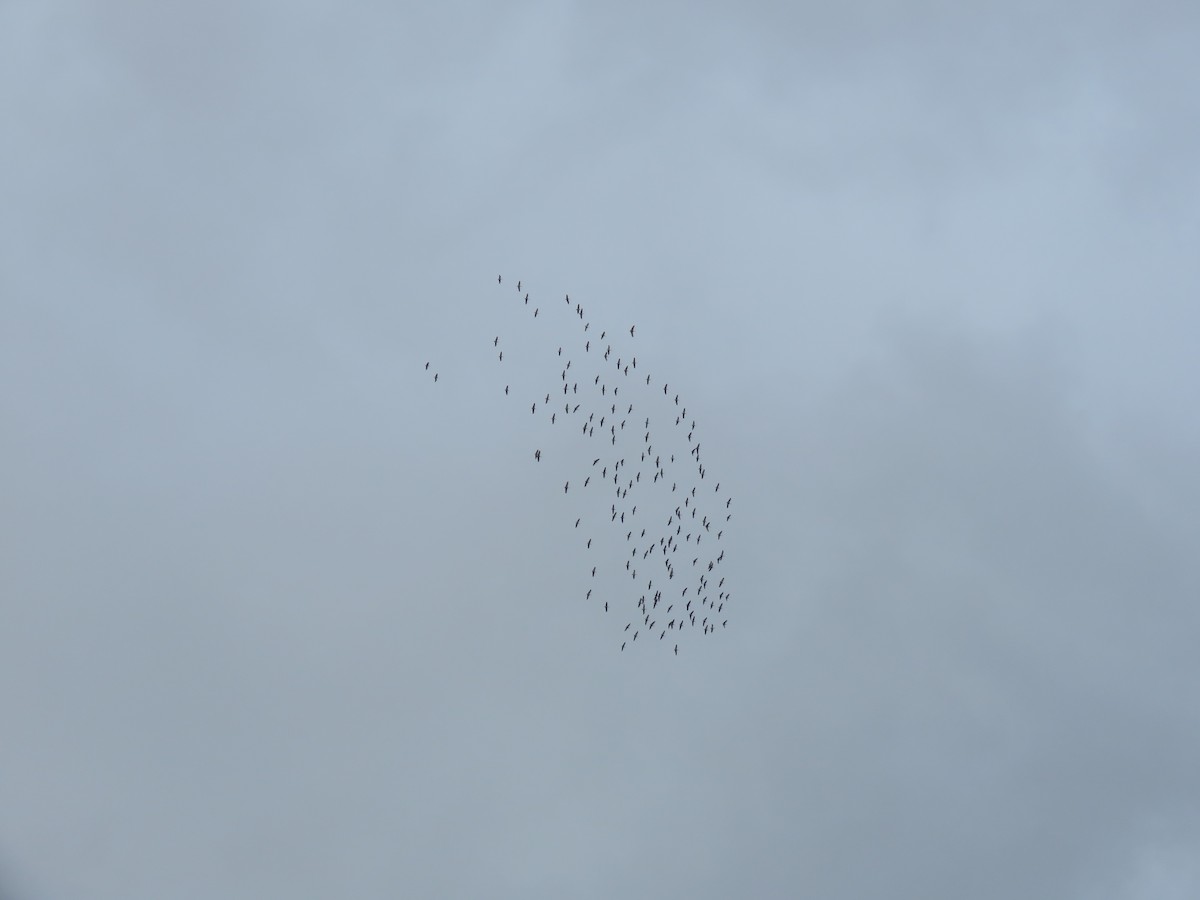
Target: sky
281	617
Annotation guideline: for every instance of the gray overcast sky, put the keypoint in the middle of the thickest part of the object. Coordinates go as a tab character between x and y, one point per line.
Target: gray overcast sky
281	618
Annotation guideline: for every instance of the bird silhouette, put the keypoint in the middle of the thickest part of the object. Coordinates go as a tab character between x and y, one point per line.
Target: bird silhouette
627	483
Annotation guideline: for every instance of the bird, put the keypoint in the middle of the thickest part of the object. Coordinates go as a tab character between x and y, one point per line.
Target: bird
498	279
426	367
565	486
435	376
537	454
506	390
496	342
631	327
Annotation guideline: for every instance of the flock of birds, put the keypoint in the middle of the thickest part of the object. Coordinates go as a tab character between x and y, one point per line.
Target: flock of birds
658	506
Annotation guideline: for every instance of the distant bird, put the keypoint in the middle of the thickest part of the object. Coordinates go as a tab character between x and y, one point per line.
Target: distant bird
435	374
631	327
518	285
498	279
565	486
426	367
496	342
537	454
577	523
501	356
535	312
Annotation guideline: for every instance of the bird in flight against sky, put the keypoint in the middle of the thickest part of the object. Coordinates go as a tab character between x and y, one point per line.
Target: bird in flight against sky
658	542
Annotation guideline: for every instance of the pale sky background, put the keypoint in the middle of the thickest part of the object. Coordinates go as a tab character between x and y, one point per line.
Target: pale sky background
281	618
